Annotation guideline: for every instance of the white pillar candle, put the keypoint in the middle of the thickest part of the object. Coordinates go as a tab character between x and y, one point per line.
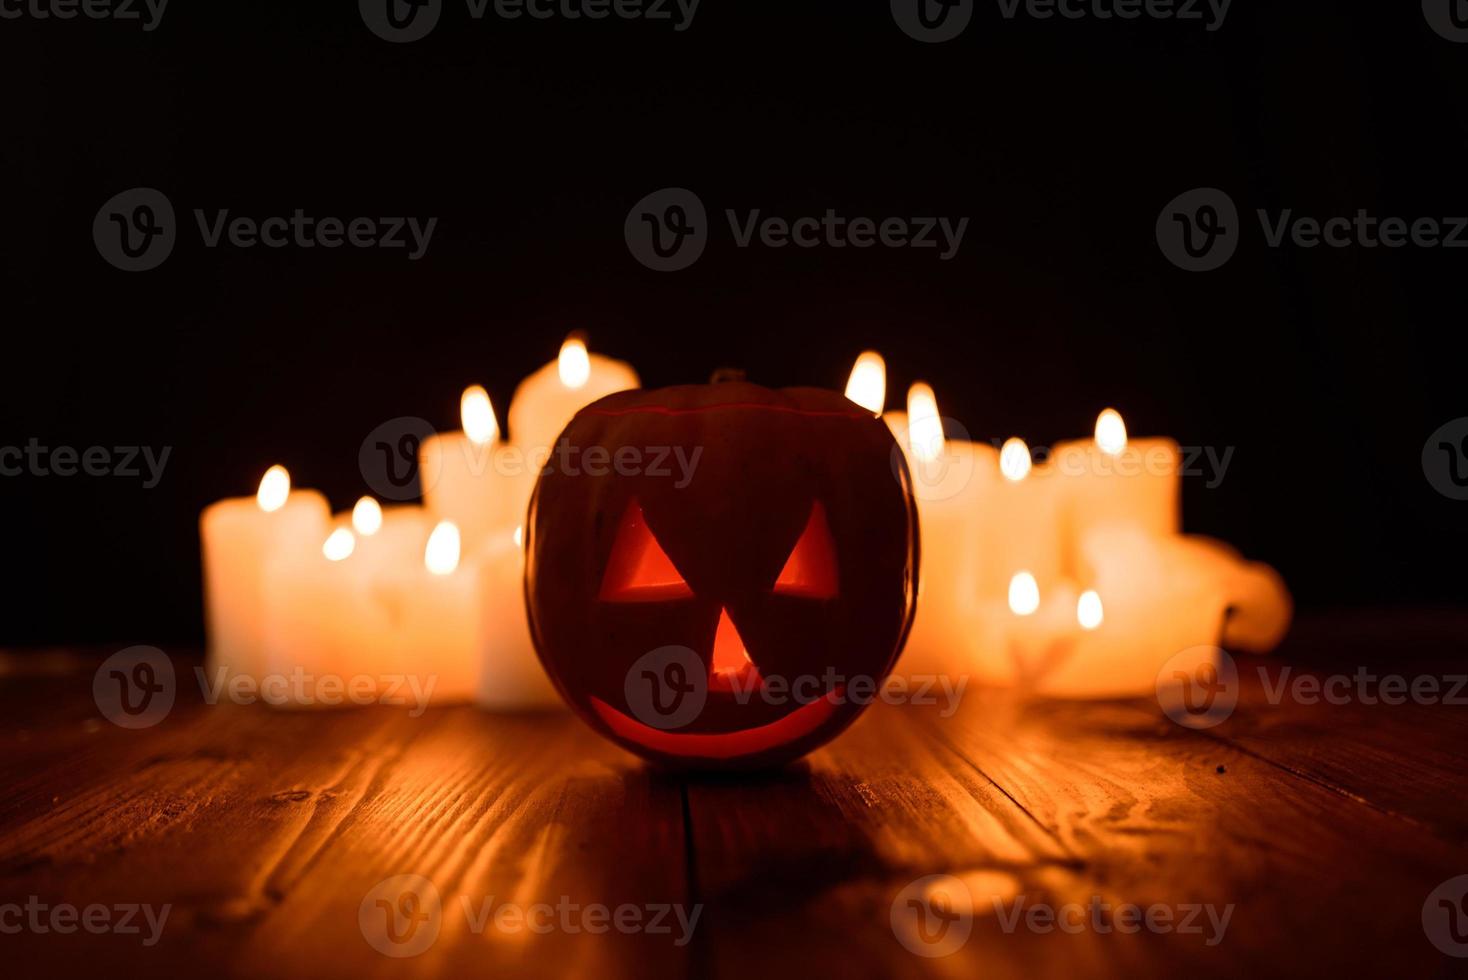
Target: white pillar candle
1019	521
546	400
317	632
1259	606
1013	639
470	478
951	479
239	536
1111	480
510	674
395	616
1154	602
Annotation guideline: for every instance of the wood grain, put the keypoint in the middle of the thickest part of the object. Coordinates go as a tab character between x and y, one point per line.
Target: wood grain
1322	828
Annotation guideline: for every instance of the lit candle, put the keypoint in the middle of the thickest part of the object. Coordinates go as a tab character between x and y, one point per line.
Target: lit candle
392	614
1112	480
867	385
239	536
1019	525
469	478
545	401
1154	597
952	480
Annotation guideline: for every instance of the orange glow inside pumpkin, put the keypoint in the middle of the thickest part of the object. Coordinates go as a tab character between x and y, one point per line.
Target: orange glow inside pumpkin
640	570
731	667
810	571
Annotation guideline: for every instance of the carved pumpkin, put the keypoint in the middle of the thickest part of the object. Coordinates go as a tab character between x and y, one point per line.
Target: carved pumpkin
709	566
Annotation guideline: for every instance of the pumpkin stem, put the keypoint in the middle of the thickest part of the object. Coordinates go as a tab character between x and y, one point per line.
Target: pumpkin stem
724	374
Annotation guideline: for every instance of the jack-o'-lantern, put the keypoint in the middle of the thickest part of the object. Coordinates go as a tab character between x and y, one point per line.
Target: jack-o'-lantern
709	568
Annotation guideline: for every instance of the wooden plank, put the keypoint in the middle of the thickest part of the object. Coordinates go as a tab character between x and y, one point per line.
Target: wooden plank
808	861
528	811
1317	710
267	830
264	830
1320	881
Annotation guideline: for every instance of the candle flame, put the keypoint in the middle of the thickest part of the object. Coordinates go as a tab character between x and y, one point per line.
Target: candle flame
1024	594
1088	610
477	416
867	385
1014	459
339	545
574	364
367	517
924	426
275	487
519	535
441	556
1110	432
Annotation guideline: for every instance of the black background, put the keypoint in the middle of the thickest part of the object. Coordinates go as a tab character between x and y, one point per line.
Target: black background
1061	141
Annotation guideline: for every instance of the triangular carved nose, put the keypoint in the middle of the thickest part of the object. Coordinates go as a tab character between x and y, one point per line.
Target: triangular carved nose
730	668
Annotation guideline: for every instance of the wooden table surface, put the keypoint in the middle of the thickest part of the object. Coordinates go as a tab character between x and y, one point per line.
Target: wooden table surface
1325	827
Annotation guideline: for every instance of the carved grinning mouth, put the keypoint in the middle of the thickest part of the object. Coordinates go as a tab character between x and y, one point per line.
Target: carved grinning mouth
722	745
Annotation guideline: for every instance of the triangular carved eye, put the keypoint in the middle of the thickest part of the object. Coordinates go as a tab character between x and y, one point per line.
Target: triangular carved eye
639	569
810	571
